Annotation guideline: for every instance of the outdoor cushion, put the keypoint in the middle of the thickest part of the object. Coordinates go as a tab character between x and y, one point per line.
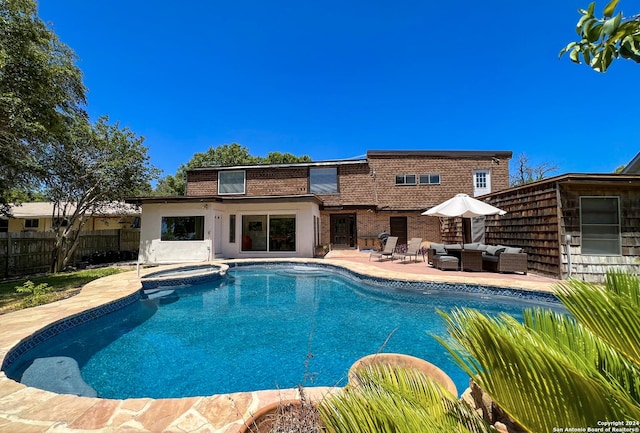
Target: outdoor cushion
453	247
482	247
512	250
439	248
471	246
494	250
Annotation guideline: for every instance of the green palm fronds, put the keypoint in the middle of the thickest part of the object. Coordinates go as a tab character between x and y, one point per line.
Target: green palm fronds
397	400
557	370
612	313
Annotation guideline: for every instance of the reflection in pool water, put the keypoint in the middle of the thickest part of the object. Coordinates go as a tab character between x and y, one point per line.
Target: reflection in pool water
256	329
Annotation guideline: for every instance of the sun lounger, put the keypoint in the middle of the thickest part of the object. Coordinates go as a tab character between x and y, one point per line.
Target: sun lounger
388	250
413	249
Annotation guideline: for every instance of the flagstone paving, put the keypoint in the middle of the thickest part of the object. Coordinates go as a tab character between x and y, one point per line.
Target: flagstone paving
26	410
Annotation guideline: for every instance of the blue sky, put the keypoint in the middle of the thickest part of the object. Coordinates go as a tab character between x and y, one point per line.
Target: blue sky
333	79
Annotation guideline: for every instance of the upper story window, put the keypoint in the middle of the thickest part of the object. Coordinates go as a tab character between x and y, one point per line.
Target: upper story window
323	180
600	225
4	225
430	179
481	182
231	182
405	179
189	228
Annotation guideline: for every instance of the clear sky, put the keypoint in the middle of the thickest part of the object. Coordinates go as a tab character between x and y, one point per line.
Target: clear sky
333	79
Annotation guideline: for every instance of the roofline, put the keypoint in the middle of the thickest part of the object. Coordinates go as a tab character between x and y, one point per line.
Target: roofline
224	199
578	178
474	154
634	165
327	163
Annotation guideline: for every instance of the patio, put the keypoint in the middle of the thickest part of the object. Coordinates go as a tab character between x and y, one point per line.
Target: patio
30	410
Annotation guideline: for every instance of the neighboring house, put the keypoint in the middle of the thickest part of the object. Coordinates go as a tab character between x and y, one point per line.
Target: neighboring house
578	225
633	167
38	217
287	210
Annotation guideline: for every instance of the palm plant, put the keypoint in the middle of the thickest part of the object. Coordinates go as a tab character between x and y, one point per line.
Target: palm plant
398	400
558	370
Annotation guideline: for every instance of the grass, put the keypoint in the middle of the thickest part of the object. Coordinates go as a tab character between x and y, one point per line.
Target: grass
59	286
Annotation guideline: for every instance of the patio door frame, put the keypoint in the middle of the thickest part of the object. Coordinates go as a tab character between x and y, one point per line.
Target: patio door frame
343	233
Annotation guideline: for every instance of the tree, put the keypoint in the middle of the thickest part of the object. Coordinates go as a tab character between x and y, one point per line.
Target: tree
41	90
525	173
555	369
221	156
92	168
605	39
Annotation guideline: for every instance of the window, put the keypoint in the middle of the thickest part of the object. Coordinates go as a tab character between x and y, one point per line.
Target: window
323	180
190	228
4	226
481	179
600	225
232	229
31	223
231	182
268	233
282	233
405	179
430	179
60	222
481	182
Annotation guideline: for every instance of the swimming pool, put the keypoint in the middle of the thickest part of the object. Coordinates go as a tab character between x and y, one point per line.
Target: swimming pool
257	329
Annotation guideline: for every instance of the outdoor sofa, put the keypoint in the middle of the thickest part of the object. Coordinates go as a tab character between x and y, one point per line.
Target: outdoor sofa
494	258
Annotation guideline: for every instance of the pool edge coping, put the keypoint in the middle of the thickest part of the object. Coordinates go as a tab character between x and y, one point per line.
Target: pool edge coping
111	289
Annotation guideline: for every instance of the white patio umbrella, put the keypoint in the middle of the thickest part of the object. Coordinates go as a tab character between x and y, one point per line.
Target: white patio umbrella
463	206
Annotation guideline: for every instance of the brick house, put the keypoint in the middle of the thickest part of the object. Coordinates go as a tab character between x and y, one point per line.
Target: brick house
286	210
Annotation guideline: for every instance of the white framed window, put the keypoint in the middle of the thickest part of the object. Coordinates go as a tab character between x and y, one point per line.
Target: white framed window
481	182
405	179
429	179
600	226
231	182
182	228
269	232
323	180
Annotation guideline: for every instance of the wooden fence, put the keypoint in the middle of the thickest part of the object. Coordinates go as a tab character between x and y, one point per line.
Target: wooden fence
30	253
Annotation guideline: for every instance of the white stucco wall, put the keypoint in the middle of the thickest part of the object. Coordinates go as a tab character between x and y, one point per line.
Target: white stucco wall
304	213
153	250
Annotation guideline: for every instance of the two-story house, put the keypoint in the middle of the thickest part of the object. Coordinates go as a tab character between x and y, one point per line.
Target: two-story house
286	210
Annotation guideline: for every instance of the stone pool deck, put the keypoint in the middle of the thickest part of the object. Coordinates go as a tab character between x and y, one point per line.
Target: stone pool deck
31	410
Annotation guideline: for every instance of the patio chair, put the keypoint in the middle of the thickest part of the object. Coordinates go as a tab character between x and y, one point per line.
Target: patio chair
388	250
413	249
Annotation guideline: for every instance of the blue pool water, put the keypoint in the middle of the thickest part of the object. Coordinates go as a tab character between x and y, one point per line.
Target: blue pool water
259	328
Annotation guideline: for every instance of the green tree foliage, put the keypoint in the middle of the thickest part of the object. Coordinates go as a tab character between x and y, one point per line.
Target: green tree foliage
224	155
604	39
525	173
41	89
558	370
88	171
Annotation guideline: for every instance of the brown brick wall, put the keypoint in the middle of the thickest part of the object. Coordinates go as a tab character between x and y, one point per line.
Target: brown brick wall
456	176
358	186
202	183
370	224
260	182
355	185
284	181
